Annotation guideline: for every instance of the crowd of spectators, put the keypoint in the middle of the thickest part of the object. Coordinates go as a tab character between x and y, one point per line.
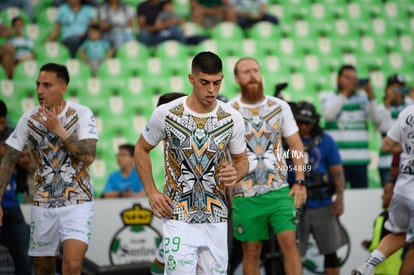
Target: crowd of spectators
150	22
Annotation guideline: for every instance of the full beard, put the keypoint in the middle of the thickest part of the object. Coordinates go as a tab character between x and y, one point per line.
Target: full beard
252	93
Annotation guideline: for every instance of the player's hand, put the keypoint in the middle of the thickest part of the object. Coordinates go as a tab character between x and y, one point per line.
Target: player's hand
299	191
228	174
161	205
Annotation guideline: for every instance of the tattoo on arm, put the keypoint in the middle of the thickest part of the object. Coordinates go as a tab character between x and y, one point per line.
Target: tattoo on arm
8	164
83	150
339	181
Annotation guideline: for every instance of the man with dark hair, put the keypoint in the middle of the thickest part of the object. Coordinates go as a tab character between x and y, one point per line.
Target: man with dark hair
198	132
62	137
14	232
124	182
168	97
324	177
346	113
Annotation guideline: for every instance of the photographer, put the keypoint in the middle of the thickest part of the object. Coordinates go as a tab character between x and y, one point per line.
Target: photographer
324	178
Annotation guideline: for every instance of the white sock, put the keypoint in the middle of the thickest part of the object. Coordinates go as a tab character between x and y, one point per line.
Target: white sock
374	259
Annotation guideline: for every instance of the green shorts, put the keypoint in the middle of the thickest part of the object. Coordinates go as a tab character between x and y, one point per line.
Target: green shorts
253	215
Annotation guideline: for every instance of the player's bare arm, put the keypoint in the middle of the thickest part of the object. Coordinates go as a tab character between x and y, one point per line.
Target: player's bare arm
83	150
338	177
8	164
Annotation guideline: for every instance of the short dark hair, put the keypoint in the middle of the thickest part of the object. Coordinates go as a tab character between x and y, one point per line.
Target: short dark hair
60	70
17	18
165	98
207	62
3	109
346	67
94	26
129	147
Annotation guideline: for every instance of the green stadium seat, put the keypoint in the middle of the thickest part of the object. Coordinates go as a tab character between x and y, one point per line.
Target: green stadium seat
178	83
39	5
171	54
132	3
378	81
38	34
397	62
157	157
25	76
134	56
265	34
358	18
52	51
209	45
229	36
250	47
229	87
3	74
343	42
47	16
183	8
296	8
138	98
113	74
369	53
12	98
395	15
190	28
116	115
79	74
155	75
95	94
327	52
290	49
8	14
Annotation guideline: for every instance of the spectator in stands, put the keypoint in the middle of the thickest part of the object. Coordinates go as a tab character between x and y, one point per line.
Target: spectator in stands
393	263
208	13
346	113
249	12
124	182
388	111
6	51
24	5
23	46
72	21
94	3
150	32
169	15
324	176
14	232
94	50
116	20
